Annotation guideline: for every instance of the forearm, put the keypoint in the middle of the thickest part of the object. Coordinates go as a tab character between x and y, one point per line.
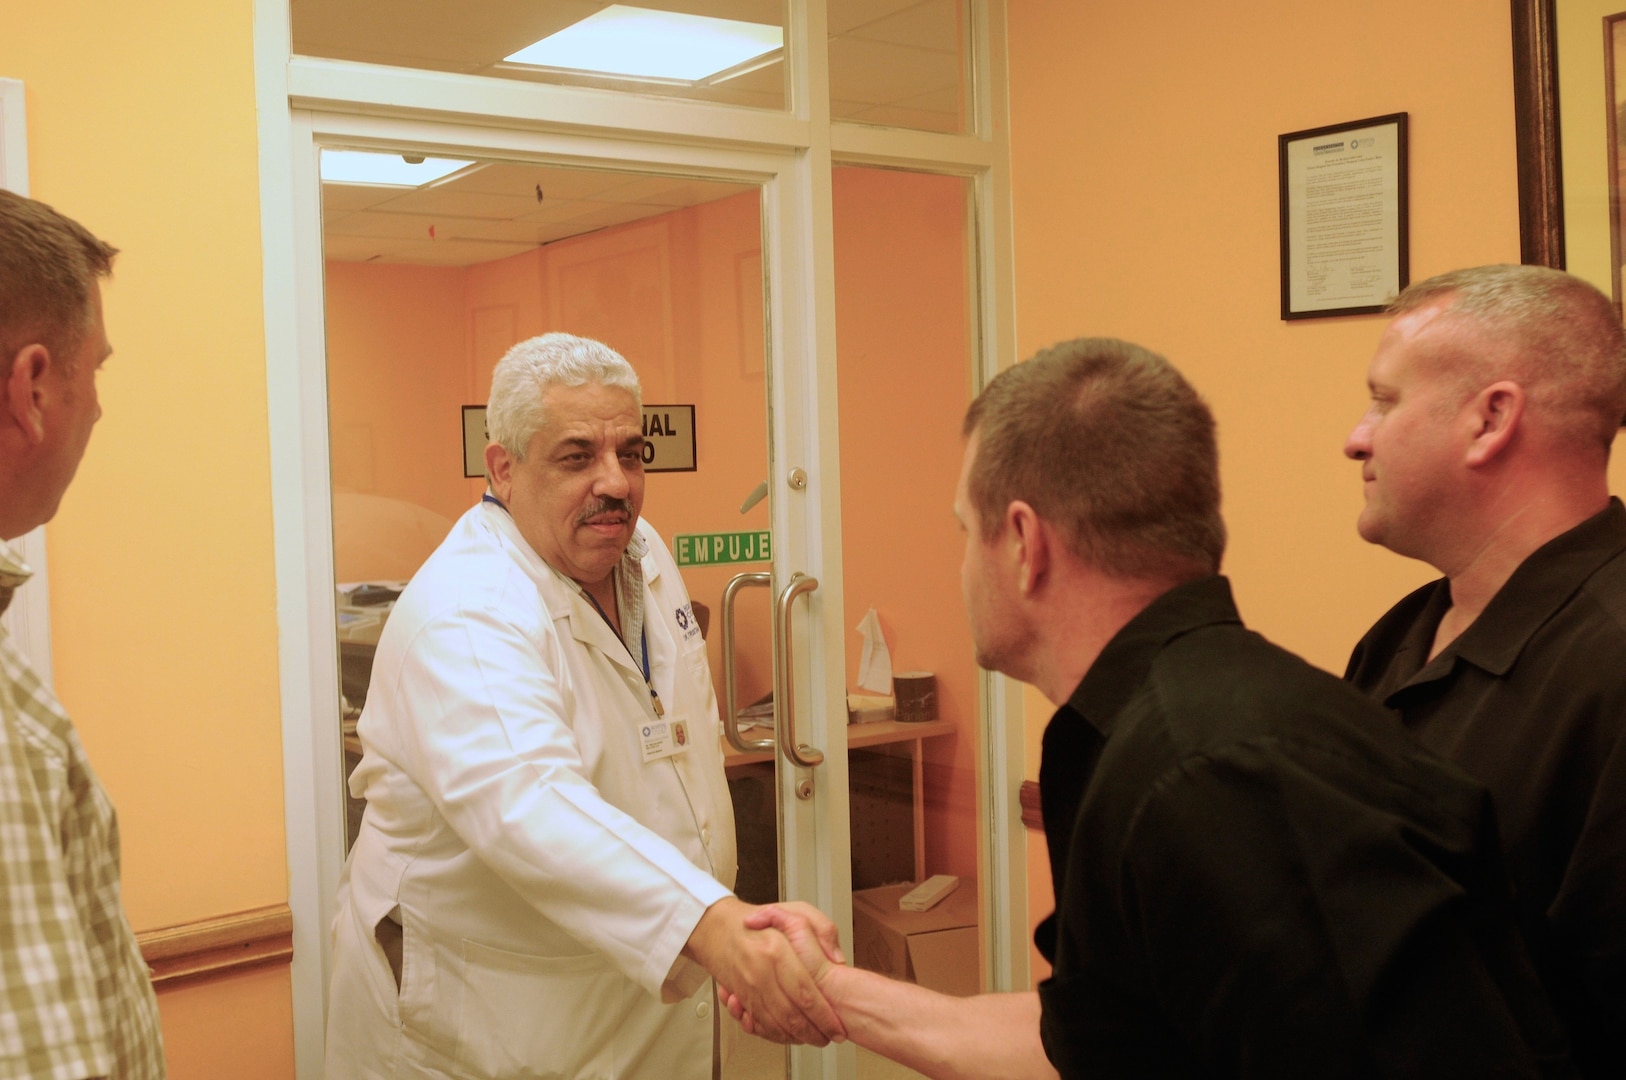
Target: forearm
992	1036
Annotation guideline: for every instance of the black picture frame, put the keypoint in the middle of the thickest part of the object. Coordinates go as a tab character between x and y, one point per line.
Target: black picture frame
1401	271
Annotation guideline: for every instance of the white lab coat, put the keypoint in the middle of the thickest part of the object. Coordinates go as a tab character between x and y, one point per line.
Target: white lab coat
545	876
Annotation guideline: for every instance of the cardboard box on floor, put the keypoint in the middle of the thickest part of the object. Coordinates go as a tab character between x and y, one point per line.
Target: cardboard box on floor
936	949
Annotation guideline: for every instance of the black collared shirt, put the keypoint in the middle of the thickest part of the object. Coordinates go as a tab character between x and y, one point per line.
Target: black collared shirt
1258	874
1531	701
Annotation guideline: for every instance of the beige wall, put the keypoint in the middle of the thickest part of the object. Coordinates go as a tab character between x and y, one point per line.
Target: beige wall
1144	178
141	124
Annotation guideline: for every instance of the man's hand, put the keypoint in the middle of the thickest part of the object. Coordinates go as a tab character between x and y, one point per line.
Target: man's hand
761	967
810	933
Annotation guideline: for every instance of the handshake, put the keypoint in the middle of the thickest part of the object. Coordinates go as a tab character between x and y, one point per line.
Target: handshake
773	968
780	973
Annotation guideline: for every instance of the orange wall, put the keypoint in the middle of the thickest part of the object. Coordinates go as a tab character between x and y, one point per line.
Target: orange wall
1143	140
903	379
396	353
141	124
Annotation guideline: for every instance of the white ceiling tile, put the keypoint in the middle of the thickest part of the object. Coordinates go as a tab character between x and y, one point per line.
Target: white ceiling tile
456	252
521	181
402	226
939	25
671	192
355	196
448	201
563	211
882	73
847	15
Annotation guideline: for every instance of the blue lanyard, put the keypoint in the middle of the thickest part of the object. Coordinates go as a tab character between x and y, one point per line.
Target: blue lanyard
643	634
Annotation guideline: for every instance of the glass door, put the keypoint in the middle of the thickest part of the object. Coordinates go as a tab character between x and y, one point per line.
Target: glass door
430	278
824	324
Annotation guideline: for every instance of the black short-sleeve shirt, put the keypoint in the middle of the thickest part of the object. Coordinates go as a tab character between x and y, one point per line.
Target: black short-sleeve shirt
1531	701
1259	874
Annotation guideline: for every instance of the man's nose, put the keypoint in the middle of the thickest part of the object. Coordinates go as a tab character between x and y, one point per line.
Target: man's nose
612	478
1358	444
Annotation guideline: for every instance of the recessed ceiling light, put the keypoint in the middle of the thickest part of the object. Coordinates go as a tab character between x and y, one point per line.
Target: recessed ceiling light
622	40
385	170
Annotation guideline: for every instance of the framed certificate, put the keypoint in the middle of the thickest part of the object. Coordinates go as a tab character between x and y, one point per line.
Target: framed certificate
1344	227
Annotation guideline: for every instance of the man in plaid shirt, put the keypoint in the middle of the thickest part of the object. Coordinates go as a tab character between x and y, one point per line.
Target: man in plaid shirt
75	999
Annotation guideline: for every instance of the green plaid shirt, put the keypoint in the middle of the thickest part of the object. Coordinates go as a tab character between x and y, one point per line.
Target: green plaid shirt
75	998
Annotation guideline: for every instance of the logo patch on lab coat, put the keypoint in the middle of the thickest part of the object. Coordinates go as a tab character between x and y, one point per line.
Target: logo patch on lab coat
687	622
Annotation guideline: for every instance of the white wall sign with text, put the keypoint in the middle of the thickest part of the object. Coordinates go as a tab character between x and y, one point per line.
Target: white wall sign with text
668	439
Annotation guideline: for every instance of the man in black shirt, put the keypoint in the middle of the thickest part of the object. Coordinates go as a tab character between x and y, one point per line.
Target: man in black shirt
1256	873
1496	394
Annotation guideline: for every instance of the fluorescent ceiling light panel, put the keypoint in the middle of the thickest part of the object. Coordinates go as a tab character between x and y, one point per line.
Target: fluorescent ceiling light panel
622	40
384	170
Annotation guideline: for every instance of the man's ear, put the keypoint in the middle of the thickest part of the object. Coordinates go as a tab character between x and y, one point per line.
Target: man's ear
1494	415
499	470
26	392
1029	542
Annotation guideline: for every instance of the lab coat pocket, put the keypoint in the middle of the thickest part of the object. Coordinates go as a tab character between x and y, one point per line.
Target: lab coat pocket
537	1017
695	659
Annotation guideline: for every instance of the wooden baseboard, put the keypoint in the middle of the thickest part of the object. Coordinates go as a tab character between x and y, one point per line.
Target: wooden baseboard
219	945
1029	794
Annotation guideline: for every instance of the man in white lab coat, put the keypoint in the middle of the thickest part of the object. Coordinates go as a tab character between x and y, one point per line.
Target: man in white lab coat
540	883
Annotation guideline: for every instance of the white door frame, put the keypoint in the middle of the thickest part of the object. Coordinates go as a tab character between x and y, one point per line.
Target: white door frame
305	103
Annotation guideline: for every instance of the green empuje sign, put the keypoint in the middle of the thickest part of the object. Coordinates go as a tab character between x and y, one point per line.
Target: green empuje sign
706	549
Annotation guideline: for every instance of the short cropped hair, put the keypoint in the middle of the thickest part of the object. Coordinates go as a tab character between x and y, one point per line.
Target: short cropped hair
1568	349
514	413
1109	443
48	270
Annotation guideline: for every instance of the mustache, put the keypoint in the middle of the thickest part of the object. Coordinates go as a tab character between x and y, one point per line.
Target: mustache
604	506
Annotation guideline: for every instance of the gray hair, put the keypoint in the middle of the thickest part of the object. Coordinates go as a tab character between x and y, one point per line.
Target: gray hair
1108	442
1566	346
514	413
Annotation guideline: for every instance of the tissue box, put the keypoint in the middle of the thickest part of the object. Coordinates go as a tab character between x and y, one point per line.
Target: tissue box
936	949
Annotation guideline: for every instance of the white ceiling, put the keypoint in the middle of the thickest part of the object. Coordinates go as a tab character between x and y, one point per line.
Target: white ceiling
893	62
491	210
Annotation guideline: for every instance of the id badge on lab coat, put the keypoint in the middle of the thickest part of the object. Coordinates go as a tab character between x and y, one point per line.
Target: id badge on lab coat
663	738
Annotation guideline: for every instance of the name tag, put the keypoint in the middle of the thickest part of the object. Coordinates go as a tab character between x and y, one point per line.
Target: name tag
663	738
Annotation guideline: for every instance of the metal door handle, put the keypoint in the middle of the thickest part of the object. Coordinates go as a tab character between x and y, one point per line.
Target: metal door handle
731	709
784	705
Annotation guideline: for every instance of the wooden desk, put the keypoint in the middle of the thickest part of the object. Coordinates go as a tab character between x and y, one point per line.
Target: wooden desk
871	735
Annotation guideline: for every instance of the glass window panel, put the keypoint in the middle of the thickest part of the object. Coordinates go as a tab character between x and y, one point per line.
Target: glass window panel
900	63
477	39
904	344
427	286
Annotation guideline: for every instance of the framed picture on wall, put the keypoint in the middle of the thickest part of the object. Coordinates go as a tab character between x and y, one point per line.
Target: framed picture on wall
1344	220
1570	120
